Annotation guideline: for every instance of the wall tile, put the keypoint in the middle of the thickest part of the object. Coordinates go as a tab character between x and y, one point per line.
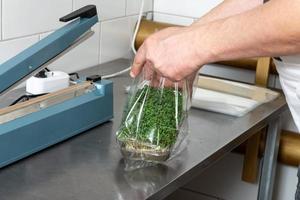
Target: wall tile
10	48
133	6
190	8
107	9
173	19
0	19
115	39
21	18
82	56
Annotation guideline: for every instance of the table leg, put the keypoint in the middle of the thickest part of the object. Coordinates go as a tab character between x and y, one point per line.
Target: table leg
267	178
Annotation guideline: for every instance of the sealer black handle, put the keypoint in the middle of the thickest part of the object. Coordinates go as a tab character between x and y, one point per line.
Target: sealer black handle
88	11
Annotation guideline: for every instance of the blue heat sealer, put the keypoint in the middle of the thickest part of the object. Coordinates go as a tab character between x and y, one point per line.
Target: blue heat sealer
31	126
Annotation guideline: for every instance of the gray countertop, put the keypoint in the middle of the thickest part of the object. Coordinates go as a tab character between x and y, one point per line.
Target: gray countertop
90	166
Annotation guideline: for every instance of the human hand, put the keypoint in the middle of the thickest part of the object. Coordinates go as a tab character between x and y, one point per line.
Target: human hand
172	52
155	79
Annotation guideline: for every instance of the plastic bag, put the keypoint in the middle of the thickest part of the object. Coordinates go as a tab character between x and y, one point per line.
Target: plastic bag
154	121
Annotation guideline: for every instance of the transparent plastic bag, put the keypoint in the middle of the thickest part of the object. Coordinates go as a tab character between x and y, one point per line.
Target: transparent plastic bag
154	121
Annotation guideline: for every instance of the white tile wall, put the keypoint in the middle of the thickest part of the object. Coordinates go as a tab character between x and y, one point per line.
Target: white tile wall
107	9
21	18
0	19
189	8
10	48
181	13
115	38
24	22
133	6
84	55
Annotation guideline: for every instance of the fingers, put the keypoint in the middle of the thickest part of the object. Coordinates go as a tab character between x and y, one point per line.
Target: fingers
139	62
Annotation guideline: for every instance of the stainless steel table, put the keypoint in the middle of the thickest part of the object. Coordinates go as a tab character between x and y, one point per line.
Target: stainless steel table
90	166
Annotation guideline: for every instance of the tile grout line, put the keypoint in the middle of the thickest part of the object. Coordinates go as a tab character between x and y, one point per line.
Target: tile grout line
25	36
40	33
153	2
72	5
126	7
29	35
1	20
48	31
121	17
175	15
34	34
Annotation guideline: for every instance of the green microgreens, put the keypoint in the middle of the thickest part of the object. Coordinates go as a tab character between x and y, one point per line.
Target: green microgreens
152	118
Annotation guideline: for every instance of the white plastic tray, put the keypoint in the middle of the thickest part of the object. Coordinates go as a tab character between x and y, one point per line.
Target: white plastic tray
229	97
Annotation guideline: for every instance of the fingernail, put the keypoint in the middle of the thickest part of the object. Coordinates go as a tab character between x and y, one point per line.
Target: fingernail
132	75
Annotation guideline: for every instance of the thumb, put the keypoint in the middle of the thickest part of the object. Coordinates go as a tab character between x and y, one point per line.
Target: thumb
138	63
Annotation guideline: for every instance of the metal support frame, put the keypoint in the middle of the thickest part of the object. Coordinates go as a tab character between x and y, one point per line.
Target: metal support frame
268	172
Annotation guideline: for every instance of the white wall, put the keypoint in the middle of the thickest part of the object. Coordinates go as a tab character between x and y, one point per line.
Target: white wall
22	23
223	180
182	12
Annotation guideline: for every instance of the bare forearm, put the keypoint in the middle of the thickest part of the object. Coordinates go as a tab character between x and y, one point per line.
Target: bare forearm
228	8
272	29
